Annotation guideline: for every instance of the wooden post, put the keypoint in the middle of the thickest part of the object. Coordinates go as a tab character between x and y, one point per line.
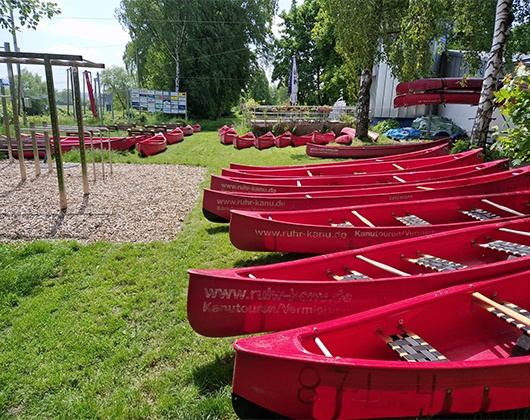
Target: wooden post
36	158
14	105
6	121
48	147
79	115
56	134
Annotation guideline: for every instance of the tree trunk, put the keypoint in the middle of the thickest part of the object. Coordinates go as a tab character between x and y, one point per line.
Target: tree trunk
486	105
362	120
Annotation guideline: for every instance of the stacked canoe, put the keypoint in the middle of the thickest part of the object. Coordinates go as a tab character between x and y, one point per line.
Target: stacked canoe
415	300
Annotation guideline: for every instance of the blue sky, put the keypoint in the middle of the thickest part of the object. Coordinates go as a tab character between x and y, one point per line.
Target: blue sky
86	28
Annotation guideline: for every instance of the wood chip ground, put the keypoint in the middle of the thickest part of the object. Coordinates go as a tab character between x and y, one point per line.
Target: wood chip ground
134	203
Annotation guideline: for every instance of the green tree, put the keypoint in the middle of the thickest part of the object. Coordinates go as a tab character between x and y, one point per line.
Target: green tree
307	33
206	48
30	12
362	43
514	100
35	90
117	81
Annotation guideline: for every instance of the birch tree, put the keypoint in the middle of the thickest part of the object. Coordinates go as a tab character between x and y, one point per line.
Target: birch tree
503	20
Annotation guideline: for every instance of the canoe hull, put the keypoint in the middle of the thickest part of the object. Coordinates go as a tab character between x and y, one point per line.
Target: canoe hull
327	183
316	150
435	151
365	379
229	302
152	146
431	98
352	167
312	232
218	204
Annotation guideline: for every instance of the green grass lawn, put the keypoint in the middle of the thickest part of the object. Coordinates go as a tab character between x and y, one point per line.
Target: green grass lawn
100	331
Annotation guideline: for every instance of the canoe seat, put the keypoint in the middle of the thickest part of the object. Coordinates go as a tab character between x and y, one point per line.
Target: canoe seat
412	348
412	220
512	248
480	214
354	275
436	264
344	223
513	315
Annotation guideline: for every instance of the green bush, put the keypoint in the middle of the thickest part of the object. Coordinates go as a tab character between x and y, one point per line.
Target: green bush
383	126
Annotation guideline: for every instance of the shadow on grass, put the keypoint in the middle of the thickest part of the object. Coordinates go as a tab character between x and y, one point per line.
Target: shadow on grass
214	376
269	258
218	229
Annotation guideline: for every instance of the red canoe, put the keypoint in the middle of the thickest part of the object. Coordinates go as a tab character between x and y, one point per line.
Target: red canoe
439	83
339	229
273	297
227	134
196	128
265	141
458	350
301	140
335	151
352	167
174	136
218	204
441	149
188	130
244	141
275	185
152	145
323	138
431	98
283	140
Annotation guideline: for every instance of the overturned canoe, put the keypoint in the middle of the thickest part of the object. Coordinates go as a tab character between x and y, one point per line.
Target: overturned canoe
359	152
339	229
218	204
235	301
458	350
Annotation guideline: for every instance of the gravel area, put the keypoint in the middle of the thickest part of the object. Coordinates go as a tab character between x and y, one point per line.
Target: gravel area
134	203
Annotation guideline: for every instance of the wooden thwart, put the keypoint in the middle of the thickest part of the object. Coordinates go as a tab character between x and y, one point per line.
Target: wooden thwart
506	311
501	207
362	218
383	266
